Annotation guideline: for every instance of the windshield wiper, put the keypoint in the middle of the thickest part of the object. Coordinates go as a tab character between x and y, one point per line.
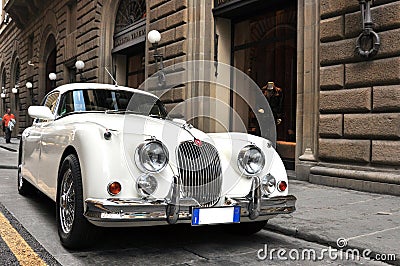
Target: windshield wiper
157	116
120	111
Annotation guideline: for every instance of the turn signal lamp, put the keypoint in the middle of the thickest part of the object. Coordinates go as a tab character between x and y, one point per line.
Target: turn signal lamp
114	188
282	186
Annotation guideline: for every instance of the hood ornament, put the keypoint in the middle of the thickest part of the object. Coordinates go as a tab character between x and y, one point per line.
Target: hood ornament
198	142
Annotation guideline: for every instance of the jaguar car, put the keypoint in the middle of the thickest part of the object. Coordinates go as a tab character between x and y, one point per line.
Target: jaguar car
111	156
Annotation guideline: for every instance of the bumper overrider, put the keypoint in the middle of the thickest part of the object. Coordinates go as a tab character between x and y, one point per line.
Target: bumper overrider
177	210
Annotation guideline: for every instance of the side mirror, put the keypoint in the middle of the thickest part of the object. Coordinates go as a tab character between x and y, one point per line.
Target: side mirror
40	112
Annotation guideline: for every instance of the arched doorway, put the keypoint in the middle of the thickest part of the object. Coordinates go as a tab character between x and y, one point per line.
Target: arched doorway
128	53
50	61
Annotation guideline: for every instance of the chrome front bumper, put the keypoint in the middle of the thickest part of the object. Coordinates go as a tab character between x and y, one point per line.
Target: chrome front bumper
103	211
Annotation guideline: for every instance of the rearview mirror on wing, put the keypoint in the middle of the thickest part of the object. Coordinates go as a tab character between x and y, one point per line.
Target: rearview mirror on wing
41	112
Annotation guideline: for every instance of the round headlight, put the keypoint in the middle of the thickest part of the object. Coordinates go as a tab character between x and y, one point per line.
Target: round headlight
268	184
251	160
151	156
146	185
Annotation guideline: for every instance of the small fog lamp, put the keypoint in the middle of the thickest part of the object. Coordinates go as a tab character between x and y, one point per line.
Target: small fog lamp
268	183
146	185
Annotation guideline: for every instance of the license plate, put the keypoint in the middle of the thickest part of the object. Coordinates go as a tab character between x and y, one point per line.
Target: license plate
220	215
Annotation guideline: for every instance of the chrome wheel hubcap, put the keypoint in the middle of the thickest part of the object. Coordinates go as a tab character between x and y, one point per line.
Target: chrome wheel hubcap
67	202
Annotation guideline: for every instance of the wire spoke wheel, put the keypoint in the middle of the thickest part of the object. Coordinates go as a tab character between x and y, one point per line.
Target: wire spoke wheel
67	202
73	228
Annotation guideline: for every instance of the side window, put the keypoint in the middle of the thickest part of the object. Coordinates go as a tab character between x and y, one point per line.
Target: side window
66	104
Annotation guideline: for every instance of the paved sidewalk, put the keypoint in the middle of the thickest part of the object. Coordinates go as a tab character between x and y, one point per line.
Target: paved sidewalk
9	153
361	220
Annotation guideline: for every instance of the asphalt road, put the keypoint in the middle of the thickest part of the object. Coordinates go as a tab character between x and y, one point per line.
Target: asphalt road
34	217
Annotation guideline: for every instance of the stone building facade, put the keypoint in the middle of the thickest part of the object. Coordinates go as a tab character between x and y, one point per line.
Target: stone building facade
359	100
341	112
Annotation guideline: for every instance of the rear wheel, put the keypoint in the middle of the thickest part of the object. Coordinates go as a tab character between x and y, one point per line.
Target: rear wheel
73	228
24	187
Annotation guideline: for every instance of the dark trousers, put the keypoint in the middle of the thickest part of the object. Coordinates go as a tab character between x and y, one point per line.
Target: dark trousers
8	135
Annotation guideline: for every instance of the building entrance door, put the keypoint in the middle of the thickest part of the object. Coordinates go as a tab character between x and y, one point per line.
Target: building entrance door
135	67
265	48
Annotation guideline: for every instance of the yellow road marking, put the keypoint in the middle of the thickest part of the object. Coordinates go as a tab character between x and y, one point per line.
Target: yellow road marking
22	251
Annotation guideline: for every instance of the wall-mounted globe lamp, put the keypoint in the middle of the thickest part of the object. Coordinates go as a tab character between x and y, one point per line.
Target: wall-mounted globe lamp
29	86
80	65
154	38
53	77
14	90
3	93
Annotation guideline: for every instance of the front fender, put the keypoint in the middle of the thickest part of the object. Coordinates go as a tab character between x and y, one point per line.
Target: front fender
235	182
104	161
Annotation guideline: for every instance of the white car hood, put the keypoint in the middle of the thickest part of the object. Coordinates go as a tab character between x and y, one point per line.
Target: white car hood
162	129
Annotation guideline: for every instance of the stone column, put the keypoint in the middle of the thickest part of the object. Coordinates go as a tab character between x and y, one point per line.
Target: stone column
308	86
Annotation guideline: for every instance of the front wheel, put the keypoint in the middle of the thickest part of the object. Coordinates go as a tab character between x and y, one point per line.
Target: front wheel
73	228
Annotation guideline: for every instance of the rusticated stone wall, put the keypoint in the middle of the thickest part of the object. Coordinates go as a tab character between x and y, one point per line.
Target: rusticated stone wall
359	99
80	44
170	18
91	42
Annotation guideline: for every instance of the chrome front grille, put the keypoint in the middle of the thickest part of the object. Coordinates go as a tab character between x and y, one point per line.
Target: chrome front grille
200	172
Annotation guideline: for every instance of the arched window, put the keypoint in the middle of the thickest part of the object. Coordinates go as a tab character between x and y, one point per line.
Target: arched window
129	12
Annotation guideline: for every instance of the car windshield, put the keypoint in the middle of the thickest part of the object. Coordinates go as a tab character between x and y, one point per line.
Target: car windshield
111	101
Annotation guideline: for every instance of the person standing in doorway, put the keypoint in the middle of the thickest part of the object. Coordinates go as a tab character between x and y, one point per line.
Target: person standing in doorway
8	124
274	97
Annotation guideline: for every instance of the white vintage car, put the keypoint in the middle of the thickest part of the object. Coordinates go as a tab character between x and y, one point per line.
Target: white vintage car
110	156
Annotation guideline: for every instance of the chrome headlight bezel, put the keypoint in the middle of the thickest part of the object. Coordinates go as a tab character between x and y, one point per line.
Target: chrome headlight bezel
140	156
241	161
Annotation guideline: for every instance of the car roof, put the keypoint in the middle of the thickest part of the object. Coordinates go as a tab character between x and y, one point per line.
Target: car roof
85	86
